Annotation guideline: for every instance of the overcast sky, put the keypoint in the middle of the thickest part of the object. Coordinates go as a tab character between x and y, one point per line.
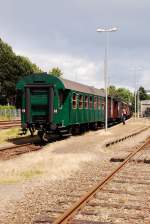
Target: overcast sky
63	33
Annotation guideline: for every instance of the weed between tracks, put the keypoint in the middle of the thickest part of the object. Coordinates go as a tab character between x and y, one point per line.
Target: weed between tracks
28	174
14	177
5	118
8	133
43	164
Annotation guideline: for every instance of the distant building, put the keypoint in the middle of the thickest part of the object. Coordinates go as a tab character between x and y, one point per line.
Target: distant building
148	92
145	108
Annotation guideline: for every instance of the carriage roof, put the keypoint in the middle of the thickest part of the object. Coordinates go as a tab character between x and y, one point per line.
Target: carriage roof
59	82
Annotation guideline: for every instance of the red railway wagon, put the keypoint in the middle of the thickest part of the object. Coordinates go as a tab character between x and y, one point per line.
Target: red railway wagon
109	109
114	109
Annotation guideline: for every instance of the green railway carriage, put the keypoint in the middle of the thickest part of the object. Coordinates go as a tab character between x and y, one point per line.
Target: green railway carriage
52	104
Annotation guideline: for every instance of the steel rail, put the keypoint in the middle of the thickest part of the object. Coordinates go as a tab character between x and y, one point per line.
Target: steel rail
8	127
9	124
10	152
64	219
14	147
11	121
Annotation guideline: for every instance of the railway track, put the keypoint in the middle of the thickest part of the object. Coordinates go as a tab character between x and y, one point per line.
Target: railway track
121	197
13	151
9	124
10	121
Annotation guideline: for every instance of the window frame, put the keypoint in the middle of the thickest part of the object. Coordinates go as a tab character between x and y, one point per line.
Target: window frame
90	102
80	101
95	102
103	103
86	102
74	100
98	103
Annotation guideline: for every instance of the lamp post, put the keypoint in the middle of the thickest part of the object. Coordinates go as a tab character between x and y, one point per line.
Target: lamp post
106	31
138	103
136	93
135	96
135	105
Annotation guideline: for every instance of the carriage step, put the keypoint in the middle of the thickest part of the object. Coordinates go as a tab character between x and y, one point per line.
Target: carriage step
66	135
63	131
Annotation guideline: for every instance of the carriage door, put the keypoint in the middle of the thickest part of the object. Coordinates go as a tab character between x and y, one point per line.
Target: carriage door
39	103
112	108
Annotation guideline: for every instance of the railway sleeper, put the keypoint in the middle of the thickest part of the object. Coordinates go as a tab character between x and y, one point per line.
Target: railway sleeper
117	198
44	220
123	192
75	221
142	178
55	211
131	182
124	138
114	215
141	161
133	160
118	206
117	160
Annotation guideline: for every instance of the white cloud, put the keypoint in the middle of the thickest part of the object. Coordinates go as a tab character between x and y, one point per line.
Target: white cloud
145	79
78	69
65	36
89	72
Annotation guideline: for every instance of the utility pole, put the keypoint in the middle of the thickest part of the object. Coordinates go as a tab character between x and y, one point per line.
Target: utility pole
106	31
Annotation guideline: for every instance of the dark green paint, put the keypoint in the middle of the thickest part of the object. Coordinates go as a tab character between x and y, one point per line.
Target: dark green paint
64	115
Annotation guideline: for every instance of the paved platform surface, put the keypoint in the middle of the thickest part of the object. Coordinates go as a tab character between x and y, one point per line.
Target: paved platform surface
120	131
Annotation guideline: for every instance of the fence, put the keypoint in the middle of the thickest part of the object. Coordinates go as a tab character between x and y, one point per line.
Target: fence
10	114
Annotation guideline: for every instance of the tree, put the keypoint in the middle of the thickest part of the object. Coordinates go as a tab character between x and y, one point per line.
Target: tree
112	90
125	95
12	68
122	93
142	93
56	72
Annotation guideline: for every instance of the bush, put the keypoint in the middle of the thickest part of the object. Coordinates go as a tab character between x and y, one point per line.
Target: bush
7	112
7	107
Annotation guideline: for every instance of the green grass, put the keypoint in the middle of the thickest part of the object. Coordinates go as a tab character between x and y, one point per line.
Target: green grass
5	118
22	176
8	133
29	174
6	112
6	107
8	180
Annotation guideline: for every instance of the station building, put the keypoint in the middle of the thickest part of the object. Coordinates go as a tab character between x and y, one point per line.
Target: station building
145	108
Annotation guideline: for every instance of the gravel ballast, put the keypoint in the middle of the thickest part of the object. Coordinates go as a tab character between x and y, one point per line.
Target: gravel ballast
33	183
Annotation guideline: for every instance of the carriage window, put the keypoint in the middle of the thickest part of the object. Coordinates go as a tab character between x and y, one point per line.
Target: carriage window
61	97
80	101
74	101
90	103
103	104
95	102
99	103
86	102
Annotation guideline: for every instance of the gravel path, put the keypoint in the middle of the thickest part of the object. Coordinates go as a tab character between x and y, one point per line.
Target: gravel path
32	184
